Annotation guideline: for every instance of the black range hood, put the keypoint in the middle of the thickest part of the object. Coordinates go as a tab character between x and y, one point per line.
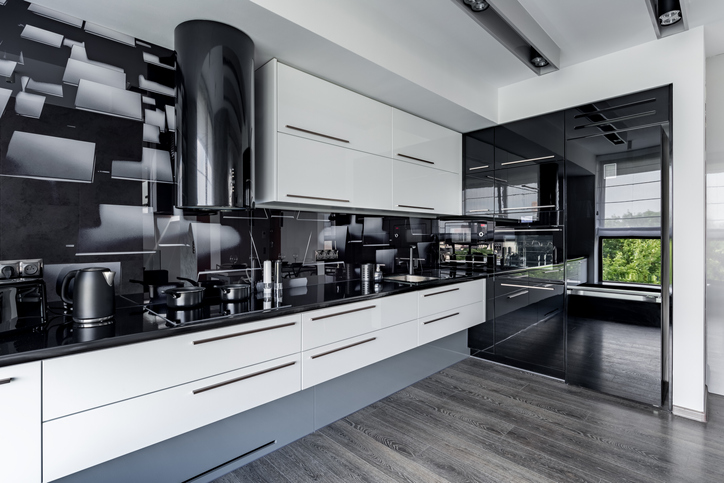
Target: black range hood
215	108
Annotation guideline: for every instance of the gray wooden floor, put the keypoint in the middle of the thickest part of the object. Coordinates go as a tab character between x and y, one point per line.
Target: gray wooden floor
477	421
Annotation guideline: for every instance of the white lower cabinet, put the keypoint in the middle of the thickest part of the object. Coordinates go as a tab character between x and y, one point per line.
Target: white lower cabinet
327	362
441	325
439	299
20	419
79	441
84	381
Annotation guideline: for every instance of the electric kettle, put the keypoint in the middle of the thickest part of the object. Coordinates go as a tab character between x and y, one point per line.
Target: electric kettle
93	298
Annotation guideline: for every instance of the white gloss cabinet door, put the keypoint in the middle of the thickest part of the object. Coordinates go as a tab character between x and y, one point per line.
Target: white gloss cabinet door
316	109
318	173
82	440
84	381
425	190
439	299
419	141
333	360
20	434
441	325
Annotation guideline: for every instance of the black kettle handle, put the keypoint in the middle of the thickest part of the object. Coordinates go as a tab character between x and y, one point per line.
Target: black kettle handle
64	287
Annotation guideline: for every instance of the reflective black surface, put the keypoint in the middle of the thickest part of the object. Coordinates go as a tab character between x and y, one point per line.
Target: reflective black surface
214	78
135	322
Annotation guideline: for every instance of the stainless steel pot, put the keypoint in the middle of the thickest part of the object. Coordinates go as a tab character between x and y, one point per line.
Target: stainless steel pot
184	296
234	291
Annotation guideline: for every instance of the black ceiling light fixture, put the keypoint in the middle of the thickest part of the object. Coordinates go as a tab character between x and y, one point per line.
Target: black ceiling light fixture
536	59
668	16
477	5
669	12
511	25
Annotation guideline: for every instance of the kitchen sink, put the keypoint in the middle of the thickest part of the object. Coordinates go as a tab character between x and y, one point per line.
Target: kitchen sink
406	278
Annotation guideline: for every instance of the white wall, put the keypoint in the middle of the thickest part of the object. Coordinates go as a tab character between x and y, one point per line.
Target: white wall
677	60
715	223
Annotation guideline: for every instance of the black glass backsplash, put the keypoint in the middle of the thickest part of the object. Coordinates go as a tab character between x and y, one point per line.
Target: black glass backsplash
87	126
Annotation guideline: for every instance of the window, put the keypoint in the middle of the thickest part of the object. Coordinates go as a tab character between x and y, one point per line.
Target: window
631	260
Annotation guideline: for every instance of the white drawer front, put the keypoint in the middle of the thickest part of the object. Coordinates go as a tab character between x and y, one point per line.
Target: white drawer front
20	448
333	324
420	141
83	381
443	324
439	299
316	109
82	440
399	308
326	326
333	360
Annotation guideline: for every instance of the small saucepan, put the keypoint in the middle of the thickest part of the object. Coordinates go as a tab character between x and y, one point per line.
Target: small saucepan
234	291
184	297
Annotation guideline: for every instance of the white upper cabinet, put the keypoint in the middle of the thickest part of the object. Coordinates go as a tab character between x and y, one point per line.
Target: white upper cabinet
421	142
425	190
315	109
320	146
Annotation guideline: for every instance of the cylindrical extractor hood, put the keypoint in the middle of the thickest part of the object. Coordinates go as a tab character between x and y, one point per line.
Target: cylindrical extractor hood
215	108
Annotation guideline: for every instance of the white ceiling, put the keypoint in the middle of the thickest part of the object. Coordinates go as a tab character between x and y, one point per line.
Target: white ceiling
424	56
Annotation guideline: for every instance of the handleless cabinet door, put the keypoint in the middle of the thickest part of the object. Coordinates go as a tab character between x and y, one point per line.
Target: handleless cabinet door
20	443
425	190
312	108
317	173
419	141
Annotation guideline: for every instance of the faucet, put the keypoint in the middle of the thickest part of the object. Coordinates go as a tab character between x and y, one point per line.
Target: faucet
412	260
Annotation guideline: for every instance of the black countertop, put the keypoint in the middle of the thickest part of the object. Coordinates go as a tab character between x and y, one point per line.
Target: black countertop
136	322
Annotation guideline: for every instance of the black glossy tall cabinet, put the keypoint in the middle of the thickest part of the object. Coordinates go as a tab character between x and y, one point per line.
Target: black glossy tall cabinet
514	178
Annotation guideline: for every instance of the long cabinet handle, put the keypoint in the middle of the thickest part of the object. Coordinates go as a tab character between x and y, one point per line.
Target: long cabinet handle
438	293
441	318
6	381
527	160
415	207
518	294
242	378
317	134
414	158
345	312
345	347
239	334
478	211
526	286
525	208
318	198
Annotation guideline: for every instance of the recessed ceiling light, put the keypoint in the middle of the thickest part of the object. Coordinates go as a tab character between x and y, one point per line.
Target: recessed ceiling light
477	5
669	12
536	59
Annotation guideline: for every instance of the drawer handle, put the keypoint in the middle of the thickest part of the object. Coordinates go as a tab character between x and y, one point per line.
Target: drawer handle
238	379
438	293
414	159
6	381
527	286
518	294
527	160
345	312
525	208
415	207
239	334
317	134
478	211
345	347
318	198
441	318
479	167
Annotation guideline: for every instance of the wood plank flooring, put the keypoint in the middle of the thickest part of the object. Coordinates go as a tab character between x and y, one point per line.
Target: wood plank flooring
481	422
